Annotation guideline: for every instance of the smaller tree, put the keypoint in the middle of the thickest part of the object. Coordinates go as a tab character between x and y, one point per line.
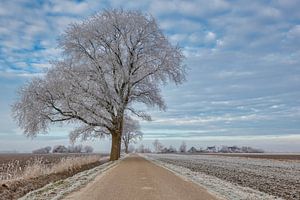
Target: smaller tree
75	149
78	148
141	149
172	149
182	148
71	149
131	132
88	149
158	146
131	148
147	150
224	149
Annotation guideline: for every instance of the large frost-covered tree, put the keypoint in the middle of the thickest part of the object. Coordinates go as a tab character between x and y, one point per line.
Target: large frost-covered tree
131	132
109	62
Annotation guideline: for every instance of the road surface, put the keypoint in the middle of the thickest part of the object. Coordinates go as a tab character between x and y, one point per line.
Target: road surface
135	178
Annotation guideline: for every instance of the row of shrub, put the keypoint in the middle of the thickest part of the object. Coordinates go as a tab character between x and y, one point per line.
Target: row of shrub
62	149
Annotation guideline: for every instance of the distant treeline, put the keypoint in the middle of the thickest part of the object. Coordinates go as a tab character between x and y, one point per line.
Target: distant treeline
160	148
226	149
63	149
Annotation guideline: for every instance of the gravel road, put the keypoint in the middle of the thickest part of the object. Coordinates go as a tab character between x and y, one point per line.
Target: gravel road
136	178
278	178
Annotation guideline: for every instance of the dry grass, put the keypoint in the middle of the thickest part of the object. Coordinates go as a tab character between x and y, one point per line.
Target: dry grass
14	170
10	170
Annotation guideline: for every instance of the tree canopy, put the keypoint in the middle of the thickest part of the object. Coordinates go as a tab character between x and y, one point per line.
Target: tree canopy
131	132
109	62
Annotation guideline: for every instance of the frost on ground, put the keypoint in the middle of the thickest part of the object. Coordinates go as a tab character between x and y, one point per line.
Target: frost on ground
61	188
235	177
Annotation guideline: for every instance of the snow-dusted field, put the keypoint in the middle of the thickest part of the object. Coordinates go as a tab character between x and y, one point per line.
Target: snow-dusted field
237	177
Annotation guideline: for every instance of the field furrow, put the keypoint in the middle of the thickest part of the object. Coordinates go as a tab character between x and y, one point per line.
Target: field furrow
274	177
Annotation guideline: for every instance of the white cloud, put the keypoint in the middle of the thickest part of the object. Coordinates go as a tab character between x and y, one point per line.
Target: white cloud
35	28
231	74
288	3
196	8
182	25
195	38
271	12
67	7
17	74
294	32
41	65
210	36
21	64
220	43
176	38
209	119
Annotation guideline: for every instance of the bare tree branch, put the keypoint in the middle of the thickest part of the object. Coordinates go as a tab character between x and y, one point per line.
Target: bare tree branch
110	62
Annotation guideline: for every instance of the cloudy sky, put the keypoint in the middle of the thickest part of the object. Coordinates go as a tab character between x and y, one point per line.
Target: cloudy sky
243	61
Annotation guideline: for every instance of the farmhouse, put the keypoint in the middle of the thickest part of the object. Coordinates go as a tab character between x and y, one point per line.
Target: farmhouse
192	150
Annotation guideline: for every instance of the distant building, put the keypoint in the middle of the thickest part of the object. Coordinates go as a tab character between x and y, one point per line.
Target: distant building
192	150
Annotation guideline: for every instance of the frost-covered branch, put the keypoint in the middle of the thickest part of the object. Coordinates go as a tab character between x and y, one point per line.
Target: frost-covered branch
110	62
131	132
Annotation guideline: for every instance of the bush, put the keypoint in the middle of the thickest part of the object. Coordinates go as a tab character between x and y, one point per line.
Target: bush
88	149
72	149
75	149
60	149
143	149
171	149
44	150
182	148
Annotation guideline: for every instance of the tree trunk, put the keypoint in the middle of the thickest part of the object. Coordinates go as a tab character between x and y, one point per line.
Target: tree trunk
116	139
126	147
115	146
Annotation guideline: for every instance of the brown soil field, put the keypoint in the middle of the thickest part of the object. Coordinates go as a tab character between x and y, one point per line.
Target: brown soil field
280	178
262	155
15	189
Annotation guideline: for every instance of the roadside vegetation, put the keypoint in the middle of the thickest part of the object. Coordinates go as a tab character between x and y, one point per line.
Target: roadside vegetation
38	166
22	173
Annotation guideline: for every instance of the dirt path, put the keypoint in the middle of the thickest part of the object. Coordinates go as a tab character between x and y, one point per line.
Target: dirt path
137	178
